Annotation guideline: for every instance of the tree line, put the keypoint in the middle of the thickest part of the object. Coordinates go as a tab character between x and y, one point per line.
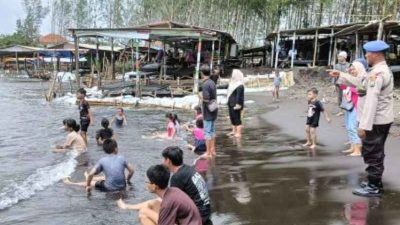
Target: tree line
249	21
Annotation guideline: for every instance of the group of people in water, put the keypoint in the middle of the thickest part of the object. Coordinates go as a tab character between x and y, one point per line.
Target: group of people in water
181	191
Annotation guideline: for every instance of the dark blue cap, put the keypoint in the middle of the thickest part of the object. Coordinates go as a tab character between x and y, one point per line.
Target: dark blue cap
363	62
376	46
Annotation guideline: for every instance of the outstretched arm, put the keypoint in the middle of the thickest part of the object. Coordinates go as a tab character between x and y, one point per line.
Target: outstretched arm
326	114
125	121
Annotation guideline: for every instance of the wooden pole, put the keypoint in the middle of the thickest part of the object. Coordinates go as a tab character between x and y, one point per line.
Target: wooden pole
212	55
330	48
315	48
16	61
164	62
272	53
380	30
293	49
357	47
138	92
77	75
112	60
334	52
277	48
148	51
196	75
219	51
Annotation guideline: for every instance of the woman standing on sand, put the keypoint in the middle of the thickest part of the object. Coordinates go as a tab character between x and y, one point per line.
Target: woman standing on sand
353	93
236	102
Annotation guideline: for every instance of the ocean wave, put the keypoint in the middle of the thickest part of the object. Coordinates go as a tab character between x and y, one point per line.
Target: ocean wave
38	181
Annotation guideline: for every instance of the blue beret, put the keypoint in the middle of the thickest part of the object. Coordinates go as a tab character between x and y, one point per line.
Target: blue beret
376	46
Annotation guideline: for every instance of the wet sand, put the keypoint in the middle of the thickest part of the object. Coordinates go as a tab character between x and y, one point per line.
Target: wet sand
269	178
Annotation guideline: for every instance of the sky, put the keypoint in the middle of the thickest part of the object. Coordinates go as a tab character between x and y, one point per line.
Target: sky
11	10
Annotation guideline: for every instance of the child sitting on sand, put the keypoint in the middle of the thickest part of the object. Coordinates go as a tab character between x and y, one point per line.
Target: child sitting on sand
171	129
74	140
199	146
104	133
120	118
113	166
315	108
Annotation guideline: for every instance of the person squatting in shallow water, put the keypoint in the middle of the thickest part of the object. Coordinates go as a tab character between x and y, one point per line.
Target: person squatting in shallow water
112	166
85	113
376	116
120	119
74	141
315	108
104	133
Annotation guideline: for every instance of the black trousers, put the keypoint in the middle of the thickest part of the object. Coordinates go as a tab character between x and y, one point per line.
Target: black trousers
373	152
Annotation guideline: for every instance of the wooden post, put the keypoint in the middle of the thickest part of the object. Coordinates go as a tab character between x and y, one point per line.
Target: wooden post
212	56
164	62
148	52
137	92
315	48
196	75
16	62
357	47
271	58
219	51
277	49
330	48
380	30
293	49
77	75
112	60
334	52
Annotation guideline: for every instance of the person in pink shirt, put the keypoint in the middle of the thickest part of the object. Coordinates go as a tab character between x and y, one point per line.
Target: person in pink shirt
350	94
199	146
170	132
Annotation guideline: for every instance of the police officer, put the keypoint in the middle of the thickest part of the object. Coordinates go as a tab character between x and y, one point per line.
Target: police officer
376	117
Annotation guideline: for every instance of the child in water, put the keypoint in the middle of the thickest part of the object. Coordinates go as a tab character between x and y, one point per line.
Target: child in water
120	118
315	108
85	113
113	166
171	129
74	140
105	132
199	146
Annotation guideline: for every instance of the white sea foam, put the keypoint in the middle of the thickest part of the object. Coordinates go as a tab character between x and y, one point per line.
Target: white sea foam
38	181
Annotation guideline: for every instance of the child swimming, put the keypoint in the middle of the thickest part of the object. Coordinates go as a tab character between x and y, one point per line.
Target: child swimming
171	129
104	133
120	118
74	140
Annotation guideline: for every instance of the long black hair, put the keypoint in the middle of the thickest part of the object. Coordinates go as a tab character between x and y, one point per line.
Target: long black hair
105	123
71	123
171	117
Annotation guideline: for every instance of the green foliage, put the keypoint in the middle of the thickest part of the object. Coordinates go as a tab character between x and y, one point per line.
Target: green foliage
14	39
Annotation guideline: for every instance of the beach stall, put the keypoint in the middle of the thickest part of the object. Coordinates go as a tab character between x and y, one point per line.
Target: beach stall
203	46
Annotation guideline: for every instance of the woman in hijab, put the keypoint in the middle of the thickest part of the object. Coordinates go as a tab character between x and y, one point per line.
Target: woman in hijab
353	92
236	102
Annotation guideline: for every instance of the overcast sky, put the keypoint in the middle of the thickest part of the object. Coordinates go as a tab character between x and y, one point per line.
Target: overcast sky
11	10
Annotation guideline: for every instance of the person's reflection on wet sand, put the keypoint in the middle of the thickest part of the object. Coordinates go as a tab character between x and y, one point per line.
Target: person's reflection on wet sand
356	213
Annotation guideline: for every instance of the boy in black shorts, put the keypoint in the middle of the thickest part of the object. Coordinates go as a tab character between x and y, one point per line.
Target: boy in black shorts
315	108
85	114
